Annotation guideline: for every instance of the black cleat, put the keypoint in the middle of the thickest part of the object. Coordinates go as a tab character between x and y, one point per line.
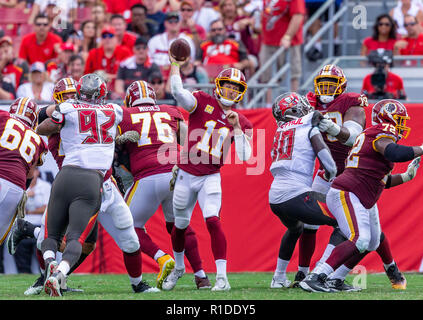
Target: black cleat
315	283
337	285
143	287
21	229
398	281
300	276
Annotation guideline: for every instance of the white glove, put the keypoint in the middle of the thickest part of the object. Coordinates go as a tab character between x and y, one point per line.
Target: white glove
411	170
172	181
20	209
327	125
128	136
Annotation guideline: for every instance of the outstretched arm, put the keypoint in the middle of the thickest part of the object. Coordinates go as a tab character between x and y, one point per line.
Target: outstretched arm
323	153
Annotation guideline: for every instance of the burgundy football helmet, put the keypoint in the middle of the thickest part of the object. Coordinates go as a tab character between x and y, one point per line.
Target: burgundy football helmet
290	106
330	83
393	112
233	76
62	87
91	88
26	110
139	92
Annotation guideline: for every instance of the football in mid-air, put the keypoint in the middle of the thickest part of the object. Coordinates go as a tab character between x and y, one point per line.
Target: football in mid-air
180	49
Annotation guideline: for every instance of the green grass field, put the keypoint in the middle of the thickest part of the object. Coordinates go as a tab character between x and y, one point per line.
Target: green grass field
245	286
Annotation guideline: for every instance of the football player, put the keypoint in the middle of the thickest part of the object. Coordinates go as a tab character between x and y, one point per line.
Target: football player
212	126
21	151
87	129
297	142
151	161
353	194
346	119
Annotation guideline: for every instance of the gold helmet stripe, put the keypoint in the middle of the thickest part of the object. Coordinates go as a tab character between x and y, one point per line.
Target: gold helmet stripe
22	106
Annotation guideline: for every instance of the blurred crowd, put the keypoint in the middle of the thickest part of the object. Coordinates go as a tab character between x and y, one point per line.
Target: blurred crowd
42	41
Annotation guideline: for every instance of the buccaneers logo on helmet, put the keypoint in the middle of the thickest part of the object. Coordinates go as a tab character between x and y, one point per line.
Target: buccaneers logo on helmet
330	83
393	112
91	88
26	110
290	106
229	95
139	92
64	89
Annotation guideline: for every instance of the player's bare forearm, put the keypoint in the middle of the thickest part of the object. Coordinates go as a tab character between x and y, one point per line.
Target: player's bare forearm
48	127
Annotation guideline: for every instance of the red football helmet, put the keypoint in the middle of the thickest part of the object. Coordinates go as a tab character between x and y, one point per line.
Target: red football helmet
393	112
91	88
26	110
330	83
64	86
232	76
290	106
139	92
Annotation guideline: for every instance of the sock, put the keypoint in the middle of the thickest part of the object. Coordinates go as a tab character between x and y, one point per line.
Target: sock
133	264
388	265
135	280
218	239
323	268
49	255
158	254
306	245
221	267
281	266
178	239
326	253
179	260
63	267
146	244
191	250
200	274
384	250
304	270
340	273
341	254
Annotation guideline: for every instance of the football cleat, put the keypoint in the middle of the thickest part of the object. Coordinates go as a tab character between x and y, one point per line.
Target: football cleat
54	284
202	283
16	235
398	281
337	285
315	283
300	276
170	282
279	283
222	284
36	288
144	287
166	265
51	268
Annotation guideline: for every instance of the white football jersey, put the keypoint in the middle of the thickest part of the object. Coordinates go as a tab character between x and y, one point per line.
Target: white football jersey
88	134
293	160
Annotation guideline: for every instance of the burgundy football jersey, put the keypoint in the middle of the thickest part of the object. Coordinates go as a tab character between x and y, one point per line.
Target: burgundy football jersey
366	169
336	111
157	149
20	149
209	137
54	148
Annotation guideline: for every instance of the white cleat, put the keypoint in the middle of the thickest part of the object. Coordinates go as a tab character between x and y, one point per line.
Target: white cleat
170	282
222	284
54	284
279	283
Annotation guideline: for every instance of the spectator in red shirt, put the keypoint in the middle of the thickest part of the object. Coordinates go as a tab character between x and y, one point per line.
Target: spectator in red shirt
412	43
15	70
107	57
384	35
382	83
41	45
124	38
282	25
188	25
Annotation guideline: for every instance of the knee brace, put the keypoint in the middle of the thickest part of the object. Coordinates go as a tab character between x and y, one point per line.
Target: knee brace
128	240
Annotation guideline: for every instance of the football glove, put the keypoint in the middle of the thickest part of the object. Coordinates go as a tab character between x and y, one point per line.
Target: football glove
57	117
20	209
175	170
128	136
411	170
327	125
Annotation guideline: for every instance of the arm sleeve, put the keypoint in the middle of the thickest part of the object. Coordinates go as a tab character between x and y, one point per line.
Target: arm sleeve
183	97
242	147
398	153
